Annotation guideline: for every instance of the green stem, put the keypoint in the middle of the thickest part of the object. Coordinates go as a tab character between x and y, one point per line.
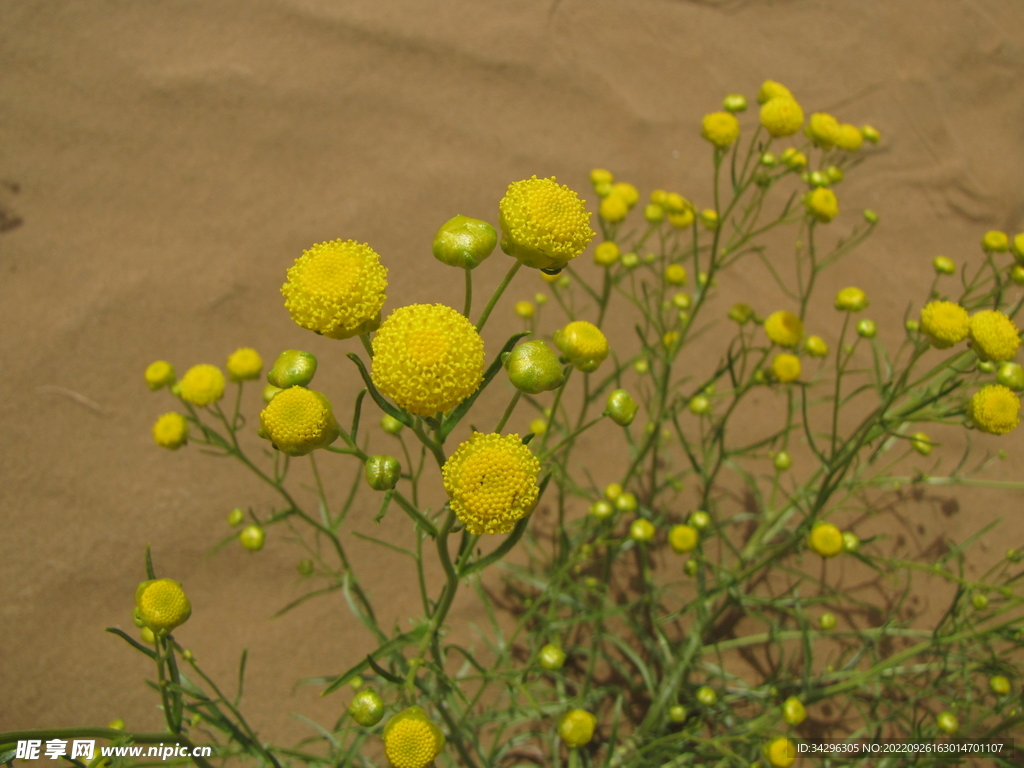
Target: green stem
497	294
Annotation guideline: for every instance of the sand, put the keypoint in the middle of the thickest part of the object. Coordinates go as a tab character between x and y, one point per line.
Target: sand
163	163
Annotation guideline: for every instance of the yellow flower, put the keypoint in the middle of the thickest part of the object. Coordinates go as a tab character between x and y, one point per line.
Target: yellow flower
545	225
681	220
815	346
577	727
822	204
202	385
794	158
786	367
676	203
613	209
849	137
159	374
491	481
627	192
782	116
851	300
171	431
583	344
428	358
244	363
601	176
162	605
921	443
720	128
675	274
784	328
524	309
412	740
683	538
298	421
606	254
772	90
780	752
995	409
870	134
336	289
822	129
825	539
944	323
994	336
995	241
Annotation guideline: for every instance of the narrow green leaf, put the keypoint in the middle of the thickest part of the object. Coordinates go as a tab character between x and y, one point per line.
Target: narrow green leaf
132	642
389	647
378	398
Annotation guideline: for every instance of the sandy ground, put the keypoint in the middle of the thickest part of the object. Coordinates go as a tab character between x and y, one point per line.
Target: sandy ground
163	163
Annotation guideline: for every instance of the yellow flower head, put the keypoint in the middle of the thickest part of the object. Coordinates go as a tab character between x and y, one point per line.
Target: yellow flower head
945	323
613	209
794	158
244	364
772	90
780	752
720	128
162	605
995	241
786	367
782	116
784	328
412	740
995	409
202	385
627	192
171	431
298	421
676	203
491	481
822	204
577	727
815	346
682	220
825	539
823	129
336	289
583	344
428	358
675	274
159	374
851	300
606	254
994	336
683	538
545	225
849	137
524	309
601	176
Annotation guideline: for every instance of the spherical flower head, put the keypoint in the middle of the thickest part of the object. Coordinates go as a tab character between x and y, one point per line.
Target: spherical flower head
683	538
735	102
947	722
533	367
601	176
464	242
784	328
428	358
782	116
815	346
336	289
583	344
159	374
943	265
577	727
995	409
654	213
524	309
627	192
606	254
162	605
551	657
613	209
675	274
252	537
676	203
621	407
202	385
825	539
849	137
171	431
822	129
682	220
786	368
945	323
994	336
491	481
545	225
244	364
772	90
367	708
298	421
822	204
780	752
851	300
641	530
720	128
412	740
995	241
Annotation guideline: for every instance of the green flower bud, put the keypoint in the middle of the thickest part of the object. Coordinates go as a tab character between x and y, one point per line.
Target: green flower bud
367	708
782	461
551	657
741	313
735	103
577	727
921	443
999	684
870	216
621	408
700	520
602	509
851	541
979	601
382	472
943	265
834	174
683	538
292	368
691	567
947	722
641	530
818	179
269	391
706	695
630	260
305	567
147	636
236	516
137	619
677	713
793	711
533	368
1017	274
866	328
625	502
390	424
464	242
987	366
827	621
252	538
1011	375
700	405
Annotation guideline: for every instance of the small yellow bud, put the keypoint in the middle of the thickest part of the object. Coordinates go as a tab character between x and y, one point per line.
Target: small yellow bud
576	728
236	516
815	346
641	530
252	537
159	374
675	274
683	538
943	265
613	209
995	241
793	711
551	657
700	520
606	254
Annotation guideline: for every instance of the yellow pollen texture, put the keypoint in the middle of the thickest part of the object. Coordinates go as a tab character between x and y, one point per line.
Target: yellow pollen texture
163	604
296	419
944	323
545	224
995	409
410	744
994	335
